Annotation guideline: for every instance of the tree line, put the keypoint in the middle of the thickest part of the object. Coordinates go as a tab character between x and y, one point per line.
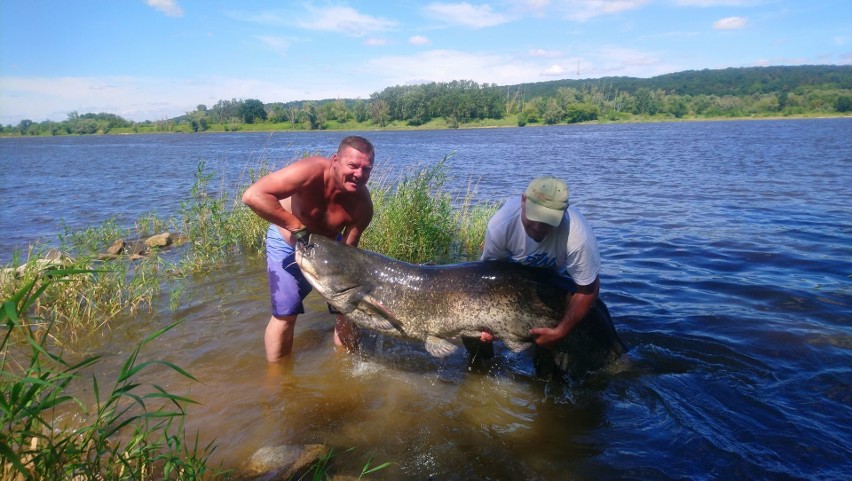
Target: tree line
731	93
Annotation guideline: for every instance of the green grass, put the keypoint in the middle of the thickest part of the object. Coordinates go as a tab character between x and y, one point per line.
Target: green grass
417	221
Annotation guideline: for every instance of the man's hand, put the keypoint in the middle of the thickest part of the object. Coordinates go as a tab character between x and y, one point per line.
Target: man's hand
546	337
301	235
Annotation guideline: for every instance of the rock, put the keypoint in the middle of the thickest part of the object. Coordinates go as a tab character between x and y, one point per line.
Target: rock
136	249
52	259
116	248
159	240
284	462
55	255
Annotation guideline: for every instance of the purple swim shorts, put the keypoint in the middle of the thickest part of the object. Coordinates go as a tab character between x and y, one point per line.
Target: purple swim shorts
287	285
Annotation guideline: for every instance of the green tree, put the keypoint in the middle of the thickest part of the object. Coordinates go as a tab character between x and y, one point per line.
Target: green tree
359	110
24	126
310	115
225	111
251	110
678	106
379	111
646	103
844	103
532	110
581	112
197	120
553	112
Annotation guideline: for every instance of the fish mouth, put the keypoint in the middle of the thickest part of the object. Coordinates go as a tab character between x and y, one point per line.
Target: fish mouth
313	278
303	252
345	291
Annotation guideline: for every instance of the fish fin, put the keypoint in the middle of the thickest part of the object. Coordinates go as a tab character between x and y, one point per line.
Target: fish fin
439	347
381	318
516	346
562	360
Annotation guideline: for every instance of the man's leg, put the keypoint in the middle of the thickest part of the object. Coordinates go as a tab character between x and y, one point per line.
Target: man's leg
278	337
287	288
476	349
345	333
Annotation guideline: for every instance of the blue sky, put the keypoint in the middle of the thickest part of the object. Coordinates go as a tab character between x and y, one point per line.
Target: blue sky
154	59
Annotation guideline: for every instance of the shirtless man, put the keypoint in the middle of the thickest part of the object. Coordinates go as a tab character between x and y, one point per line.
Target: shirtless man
317	195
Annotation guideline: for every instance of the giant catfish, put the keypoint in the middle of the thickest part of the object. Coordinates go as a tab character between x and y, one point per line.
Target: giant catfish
435	303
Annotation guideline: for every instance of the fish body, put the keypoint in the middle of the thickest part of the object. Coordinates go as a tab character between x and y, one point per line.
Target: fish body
436	303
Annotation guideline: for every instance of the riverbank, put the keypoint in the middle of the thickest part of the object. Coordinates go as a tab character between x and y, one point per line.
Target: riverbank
168	126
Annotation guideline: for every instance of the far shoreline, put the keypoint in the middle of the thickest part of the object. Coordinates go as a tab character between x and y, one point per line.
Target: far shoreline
434	125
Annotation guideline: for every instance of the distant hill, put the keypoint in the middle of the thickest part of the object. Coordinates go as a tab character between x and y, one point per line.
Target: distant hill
723	93
729	81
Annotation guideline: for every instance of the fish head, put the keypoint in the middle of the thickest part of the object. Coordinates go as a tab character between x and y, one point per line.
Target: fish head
346	277
335	270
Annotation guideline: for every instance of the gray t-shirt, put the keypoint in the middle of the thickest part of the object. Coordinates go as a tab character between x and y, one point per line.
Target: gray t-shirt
570	248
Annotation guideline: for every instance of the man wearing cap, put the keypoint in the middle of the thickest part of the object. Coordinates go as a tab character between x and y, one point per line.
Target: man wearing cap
539	228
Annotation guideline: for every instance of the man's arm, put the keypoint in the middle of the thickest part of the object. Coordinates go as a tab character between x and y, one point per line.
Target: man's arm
577	308
264	196
491	250
352	233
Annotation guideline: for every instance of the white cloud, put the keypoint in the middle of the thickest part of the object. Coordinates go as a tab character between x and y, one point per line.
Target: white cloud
141	98
718	3
730	23
276	44
375	42
418	40
476	16
582	10
528	7
619	61
538	52
263	18
449	65
554	71
169	7
344	19
627	56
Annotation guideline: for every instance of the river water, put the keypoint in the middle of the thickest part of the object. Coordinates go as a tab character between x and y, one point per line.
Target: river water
727	256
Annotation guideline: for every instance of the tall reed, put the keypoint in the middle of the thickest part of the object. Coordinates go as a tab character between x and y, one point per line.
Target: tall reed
413	220
417	221
218	227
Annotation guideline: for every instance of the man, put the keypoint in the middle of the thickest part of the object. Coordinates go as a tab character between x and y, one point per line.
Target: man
322	196
538	228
